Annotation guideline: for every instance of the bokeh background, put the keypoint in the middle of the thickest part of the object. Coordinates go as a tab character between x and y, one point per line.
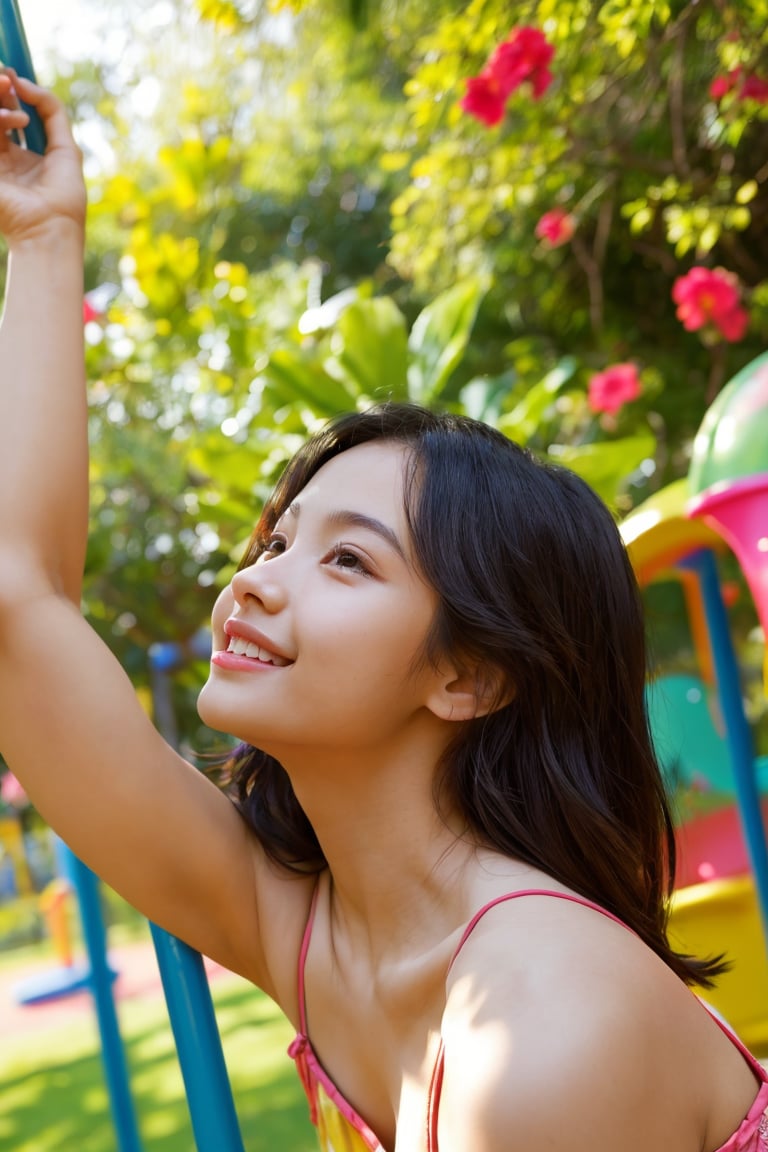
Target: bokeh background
551	214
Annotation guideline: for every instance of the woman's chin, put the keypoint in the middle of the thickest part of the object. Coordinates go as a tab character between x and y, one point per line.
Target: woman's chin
211	715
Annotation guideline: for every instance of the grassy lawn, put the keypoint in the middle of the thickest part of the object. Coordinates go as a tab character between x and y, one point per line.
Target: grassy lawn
53	1099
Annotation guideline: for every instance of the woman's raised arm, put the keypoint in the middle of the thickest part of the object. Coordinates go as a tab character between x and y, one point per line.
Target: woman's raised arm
43	448
70	725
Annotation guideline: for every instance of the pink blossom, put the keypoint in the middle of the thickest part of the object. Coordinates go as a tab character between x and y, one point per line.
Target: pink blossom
523	57
754	88
11	791
610	390
89	312
709	298
556	227
484	99
751	87
722	85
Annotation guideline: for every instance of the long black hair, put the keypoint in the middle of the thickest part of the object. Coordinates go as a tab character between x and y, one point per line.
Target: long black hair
534	583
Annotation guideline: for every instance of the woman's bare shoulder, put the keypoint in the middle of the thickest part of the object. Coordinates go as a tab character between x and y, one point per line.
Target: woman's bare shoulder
563	1030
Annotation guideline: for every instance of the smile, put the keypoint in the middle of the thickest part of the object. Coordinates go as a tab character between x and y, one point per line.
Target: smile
239	647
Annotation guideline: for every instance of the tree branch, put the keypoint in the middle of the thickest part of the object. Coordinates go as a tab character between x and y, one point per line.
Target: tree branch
676	90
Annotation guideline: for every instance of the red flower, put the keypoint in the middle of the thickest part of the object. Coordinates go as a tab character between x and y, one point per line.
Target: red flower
722	85
89	312
608	391
556	227
523	57
709	298
484	99
754	88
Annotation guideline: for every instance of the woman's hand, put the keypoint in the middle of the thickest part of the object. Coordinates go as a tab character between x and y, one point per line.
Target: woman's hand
37	193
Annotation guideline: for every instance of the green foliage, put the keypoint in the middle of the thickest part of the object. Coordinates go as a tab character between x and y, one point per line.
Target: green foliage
370	352
299	219
364	357
439	338
656	174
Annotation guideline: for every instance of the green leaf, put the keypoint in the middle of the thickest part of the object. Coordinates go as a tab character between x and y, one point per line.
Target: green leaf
747	192
482	398
525	418
606	466
709	237
439	338
293	379
371	349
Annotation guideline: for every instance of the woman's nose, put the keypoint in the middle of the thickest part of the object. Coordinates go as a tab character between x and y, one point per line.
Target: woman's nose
262	583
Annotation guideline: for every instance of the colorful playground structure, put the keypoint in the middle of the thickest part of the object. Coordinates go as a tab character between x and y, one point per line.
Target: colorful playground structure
702	734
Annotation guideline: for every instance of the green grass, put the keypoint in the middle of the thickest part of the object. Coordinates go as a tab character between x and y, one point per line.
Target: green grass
53	1098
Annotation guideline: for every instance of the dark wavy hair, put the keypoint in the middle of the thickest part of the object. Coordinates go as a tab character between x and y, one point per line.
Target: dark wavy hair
534	583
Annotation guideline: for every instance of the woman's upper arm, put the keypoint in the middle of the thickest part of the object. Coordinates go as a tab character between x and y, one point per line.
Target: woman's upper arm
147	822
546	1097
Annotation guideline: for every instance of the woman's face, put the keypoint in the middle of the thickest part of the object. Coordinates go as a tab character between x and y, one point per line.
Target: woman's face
317	643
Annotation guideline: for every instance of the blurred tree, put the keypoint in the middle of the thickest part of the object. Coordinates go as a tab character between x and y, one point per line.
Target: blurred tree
649	143
488	210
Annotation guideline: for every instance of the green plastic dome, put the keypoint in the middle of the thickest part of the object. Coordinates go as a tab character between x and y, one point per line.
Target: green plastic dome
733	438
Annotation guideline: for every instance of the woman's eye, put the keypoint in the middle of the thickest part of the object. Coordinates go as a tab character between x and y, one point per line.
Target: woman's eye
274	546
349	561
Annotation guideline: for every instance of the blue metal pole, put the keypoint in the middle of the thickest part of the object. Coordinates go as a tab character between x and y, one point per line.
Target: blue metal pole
198	1043
737	730
86	886
14	52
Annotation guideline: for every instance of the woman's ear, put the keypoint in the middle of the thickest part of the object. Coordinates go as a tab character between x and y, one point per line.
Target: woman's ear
468	695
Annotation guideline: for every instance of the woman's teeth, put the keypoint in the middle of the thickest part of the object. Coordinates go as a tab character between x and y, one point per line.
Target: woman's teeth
241	647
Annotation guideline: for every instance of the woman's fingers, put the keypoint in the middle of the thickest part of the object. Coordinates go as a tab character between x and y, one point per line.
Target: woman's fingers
9	101
13	118
49	109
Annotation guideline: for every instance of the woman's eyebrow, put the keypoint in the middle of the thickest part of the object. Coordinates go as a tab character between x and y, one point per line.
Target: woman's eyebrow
345	518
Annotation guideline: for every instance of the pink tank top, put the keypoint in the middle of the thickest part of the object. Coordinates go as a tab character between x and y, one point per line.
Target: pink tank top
342	1129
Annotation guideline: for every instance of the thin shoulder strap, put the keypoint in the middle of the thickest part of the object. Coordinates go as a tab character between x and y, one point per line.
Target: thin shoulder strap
529	892
303	960
724	1026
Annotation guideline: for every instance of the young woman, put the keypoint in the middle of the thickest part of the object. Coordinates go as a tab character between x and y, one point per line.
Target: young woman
450	853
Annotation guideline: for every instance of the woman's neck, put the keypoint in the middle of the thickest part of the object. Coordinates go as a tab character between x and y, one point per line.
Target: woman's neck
395	861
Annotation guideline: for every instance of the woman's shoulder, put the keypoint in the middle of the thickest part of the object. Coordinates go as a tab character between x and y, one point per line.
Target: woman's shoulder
557	1015
544	945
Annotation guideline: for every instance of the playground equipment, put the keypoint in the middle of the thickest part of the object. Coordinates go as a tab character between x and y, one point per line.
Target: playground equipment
69	975
728	477
14	53
678	534
54	902
724	916
689	735
190	1010
711	846
12	842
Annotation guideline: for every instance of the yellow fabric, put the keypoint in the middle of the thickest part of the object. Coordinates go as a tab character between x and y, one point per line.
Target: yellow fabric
335	1132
